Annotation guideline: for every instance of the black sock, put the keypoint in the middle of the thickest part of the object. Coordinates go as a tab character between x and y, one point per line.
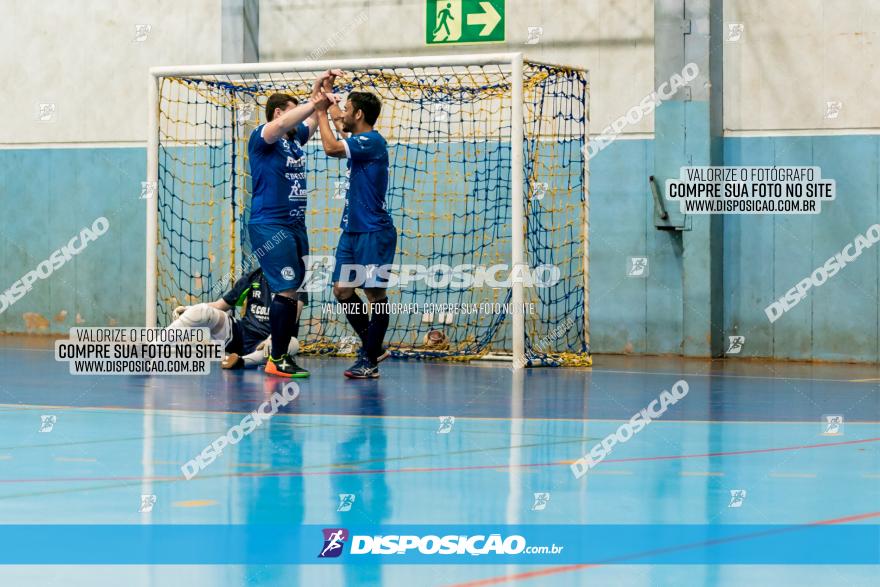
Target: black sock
300	306
379	319
356	312
282	321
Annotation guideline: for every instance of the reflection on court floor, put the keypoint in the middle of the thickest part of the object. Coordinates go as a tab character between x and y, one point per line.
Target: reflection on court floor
435	443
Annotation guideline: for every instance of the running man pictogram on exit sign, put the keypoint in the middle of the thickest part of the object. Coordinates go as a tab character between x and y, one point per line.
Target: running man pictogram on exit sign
451	22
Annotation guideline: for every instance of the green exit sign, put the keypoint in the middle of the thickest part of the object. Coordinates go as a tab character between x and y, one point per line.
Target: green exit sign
457	22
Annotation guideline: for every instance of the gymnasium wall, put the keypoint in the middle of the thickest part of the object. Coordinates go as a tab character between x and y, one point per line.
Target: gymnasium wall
796	57
613	38
793	58
87	159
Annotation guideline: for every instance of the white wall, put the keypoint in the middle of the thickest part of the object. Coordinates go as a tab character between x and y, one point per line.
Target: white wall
796	55
82	56
611	38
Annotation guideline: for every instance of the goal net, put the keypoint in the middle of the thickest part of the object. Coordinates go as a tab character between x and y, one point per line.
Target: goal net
487	189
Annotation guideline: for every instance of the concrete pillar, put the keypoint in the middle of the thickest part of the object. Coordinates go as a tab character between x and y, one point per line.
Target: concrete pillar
688	131
240	31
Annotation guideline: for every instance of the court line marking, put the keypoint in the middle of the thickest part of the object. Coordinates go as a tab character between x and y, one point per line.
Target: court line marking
194	503
743	452
622	559
594	369
118	439
549	439
792	475
207	413
76	459
723	376
306	470
302	473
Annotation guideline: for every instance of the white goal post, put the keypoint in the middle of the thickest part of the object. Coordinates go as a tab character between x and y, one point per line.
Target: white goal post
517	219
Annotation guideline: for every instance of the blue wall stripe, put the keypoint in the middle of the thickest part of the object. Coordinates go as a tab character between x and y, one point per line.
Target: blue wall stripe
50	194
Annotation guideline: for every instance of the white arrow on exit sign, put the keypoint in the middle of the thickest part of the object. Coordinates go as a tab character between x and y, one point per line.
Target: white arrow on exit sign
489	18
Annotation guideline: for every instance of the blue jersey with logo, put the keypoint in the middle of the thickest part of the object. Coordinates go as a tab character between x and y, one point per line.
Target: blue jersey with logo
367	183
278	177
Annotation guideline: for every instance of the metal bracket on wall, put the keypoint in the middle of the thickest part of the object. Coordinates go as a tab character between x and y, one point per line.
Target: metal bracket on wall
662	218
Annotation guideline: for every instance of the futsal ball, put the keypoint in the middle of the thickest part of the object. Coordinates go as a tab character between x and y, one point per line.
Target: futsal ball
435	339
292	348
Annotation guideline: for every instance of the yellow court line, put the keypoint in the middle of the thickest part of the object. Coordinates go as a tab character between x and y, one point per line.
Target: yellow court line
864	380
195	503
871	475
5	457
76	460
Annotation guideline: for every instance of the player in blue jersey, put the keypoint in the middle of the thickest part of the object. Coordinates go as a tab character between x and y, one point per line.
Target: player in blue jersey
368	239
278	206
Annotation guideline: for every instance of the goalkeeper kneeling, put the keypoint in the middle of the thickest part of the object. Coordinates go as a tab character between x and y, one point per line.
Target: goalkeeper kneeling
247	337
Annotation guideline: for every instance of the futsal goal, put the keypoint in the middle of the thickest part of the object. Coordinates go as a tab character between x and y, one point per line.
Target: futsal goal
488	189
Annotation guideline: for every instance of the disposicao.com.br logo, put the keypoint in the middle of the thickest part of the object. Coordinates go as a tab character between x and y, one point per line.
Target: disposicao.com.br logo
476	545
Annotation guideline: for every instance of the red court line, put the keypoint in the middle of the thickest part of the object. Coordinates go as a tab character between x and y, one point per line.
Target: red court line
434	469
741	452
568	568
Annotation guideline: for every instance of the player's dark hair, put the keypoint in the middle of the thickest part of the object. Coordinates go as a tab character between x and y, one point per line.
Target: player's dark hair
368	103
278	101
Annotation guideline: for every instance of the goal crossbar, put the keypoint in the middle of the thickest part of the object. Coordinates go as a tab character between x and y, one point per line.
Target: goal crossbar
513	60
458	60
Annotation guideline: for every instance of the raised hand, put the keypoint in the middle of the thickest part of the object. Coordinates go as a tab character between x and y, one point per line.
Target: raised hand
330	79
324	100
324	82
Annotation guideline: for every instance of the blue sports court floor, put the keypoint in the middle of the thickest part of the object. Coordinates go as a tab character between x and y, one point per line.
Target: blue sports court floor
752	426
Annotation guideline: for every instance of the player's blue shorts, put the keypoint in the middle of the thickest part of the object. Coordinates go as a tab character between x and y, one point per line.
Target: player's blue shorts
368	250
280	249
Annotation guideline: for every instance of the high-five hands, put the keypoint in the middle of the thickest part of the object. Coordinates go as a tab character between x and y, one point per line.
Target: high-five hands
324	100
325	81
331	79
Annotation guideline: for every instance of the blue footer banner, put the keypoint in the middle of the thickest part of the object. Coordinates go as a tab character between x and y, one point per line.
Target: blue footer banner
440	544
